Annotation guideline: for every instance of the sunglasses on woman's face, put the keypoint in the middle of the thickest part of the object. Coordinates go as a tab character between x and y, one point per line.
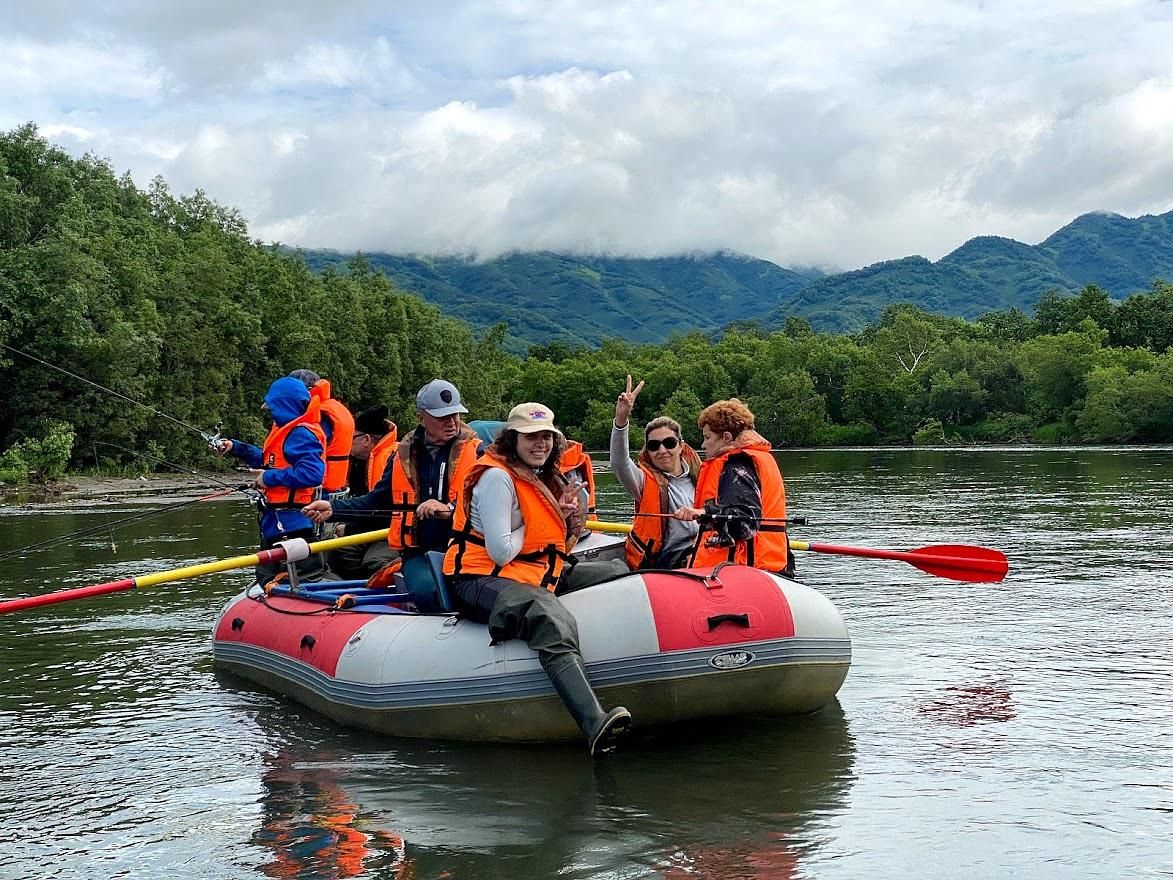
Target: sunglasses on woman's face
667	443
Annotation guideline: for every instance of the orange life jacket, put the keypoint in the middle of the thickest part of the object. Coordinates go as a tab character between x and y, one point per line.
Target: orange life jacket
649	533
769	548
576	460
341	435
544	548
273	458
405	488
380	452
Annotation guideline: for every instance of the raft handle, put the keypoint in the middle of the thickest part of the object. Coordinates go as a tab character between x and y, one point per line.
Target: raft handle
716	620
308	641
237	623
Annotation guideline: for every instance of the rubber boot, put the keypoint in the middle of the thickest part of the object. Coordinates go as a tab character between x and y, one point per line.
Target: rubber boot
602	729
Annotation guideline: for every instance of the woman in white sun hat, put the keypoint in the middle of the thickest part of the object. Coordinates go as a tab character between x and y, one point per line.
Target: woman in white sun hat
515	525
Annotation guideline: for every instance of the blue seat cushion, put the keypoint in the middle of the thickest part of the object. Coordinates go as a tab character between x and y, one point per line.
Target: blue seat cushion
424	577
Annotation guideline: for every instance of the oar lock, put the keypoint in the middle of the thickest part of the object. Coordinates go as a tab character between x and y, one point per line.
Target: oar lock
296	549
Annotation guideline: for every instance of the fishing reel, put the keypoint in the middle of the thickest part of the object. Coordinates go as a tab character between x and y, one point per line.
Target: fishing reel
214	440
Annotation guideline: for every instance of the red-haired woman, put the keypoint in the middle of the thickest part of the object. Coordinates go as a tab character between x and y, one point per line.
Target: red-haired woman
741	487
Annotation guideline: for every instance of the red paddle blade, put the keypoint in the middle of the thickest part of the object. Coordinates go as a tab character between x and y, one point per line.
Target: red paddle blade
961	562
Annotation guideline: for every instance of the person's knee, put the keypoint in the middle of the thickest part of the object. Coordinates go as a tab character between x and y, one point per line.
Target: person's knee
549	621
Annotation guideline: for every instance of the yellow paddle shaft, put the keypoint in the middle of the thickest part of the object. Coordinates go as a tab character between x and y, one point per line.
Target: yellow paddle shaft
618	528
193	571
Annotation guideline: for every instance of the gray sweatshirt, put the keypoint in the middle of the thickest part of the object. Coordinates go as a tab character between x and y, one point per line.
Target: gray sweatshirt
681	489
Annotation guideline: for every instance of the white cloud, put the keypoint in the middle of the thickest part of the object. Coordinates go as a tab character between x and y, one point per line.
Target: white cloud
825	133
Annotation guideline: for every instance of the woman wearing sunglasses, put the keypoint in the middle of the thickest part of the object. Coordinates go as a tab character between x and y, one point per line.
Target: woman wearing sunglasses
662	481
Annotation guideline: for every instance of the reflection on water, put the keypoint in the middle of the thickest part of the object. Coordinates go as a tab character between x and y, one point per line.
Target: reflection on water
739	801
967	705
1017	729
313	829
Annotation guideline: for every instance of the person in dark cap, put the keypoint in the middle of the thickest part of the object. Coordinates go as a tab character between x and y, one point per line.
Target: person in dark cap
422	478
375	438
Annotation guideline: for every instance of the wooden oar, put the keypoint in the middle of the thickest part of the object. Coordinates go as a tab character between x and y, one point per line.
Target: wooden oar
275	555
959	562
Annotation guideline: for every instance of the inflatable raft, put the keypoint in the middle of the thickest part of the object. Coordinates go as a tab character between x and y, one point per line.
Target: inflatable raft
670	646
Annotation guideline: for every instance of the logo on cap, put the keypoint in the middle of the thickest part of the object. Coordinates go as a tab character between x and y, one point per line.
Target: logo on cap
538	414
446	396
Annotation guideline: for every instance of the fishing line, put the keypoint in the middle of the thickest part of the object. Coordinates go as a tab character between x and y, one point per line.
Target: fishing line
207	437
101	527
178	467
712	517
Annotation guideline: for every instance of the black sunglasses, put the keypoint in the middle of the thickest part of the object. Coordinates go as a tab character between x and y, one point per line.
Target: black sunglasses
667	443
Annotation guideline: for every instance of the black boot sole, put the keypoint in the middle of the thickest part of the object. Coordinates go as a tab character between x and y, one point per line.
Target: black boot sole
614	727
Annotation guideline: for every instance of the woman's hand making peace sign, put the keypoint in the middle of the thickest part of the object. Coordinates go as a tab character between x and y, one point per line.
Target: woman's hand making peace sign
625	402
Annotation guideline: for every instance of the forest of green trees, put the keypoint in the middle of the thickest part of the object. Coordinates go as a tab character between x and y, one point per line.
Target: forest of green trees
166	300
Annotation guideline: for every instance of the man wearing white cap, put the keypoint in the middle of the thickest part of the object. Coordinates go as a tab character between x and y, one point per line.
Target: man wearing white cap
422	479
517	521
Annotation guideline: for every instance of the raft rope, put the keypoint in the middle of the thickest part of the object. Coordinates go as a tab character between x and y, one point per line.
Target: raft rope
208	438
325	609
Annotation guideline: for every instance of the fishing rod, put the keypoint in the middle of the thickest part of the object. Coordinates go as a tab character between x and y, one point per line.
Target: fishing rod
102	527
201	474
210	439
717	517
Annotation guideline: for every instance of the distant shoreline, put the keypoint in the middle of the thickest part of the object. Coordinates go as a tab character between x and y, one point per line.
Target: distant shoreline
88	490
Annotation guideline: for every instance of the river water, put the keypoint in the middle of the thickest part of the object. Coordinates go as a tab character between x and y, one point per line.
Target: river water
1021	729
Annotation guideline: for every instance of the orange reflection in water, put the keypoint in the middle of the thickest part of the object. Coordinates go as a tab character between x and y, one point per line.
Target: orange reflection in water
770	859
315	833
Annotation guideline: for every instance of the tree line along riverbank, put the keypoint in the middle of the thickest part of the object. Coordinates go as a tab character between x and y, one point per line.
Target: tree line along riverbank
167	301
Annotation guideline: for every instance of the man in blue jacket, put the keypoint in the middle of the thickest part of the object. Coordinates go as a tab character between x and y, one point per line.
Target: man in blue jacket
290	467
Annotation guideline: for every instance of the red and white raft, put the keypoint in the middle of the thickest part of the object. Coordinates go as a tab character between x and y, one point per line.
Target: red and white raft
670	646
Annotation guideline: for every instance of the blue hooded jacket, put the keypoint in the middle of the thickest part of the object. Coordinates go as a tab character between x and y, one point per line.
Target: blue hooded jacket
286	400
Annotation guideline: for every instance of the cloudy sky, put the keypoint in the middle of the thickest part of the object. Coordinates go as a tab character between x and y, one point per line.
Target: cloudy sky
827	133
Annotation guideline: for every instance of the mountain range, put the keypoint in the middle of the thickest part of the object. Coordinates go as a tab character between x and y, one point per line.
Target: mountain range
582	300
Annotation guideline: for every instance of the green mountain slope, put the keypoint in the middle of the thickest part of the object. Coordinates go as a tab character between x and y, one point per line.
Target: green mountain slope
1120	254
984	274
545	297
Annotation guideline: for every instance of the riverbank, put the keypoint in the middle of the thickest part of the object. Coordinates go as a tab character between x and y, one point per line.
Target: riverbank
87	489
